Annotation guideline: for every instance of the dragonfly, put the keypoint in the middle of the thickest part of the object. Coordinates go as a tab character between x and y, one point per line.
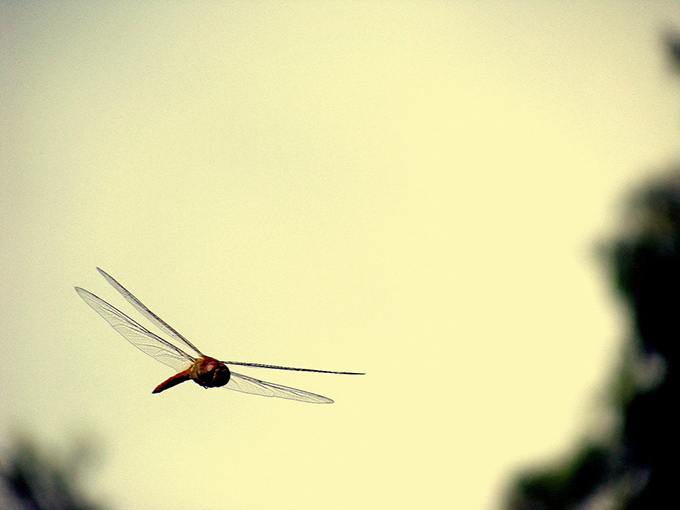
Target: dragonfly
204	370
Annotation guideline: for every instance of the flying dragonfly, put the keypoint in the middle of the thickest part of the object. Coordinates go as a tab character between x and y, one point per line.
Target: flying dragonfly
203	370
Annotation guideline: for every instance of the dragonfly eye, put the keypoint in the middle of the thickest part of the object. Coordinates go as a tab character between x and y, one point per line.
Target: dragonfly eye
209	372
220	376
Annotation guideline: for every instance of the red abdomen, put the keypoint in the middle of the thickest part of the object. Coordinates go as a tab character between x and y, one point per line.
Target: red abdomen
173	381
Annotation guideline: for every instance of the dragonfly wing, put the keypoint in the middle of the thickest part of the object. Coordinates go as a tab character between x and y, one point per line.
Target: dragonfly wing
141	308
245	384
146	341
278	367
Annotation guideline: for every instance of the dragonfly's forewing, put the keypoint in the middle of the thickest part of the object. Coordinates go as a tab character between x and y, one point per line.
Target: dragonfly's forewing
245	384
294	369
155	319
146	341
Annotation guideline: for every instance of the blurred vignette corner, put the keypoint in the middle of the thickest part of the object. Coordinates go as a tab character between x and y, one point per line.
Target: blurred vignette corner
633	467
36	476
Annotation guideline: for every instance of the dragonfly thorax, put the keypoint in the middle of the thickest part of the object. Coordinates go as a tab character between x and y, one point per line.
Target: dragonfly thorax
210	373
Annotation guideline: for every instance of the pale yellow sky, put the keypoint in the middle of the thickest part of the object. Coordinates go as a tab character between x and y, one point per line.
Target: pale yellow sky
413	190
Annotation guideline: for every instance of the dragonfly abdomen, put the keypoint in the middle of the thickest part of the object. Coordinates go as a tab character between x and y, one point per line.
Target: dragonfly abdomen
173	381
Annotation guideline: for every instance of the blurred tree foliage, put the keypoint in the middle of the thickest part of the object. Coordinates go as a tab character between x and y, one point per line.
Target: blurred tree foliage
635	467
30	479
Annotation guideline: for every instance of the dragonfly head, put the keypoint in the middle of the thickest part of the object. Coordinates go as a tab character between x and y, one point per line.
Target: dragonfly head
210	373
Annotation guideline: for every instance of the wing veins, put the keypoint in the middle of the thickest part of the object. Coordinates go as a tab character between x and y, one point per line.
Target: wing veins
277	367
142	308
252	386
146	341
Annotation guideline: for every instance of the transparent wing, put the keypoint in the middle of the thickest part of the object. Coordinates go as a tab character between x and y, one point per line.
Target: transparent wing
146	341
245	384
277	367
141	308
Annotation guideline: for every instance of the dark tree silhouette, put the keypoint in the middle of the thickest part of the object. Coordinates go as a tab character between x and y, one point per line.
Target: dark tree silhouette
31	480
636	467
